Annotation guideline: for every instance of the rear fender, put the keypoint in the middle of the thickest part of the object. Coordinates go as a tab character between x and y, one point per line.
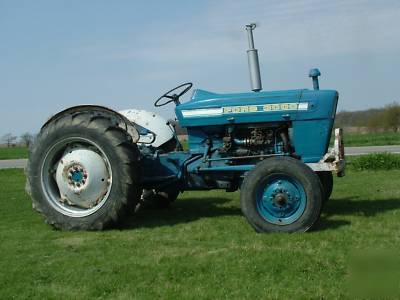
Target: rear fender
160	131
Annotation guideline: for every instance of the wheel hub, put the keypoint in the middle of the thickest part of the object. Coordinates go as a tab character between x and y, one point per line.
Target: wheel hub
281	200
82	178
77	176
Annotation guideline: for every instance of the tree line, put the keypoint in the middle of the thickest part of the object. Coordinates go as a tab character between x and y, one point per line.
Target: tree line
386	118
25	139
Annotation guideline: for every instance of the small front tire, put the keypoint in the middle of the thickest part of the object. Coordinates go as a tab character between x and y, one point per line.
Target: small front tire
281	194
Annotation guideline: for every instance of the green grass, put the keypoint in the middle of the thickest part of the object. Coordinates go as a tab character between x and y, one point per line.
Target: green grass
375	161
13	153
201	247
371	139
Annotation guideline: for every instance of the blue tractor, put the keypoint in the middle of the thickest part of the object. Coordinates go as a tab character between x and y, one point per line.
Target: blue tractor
91	165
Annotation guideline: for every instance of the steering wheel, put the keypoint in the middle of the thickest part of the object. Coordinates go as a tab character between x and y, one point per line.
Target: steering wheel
174	97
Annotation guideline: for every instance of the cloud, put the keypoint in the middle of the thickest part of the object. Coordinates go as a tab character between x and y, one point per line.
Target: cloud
288	30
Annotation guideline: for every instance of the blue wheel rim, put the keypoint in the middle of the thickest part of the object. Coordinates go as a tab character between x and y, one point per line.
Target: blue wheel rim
281	199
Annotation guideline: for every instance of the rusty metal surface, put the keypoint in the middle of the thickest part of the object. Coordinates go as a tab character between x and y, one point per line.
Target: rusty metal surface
334	159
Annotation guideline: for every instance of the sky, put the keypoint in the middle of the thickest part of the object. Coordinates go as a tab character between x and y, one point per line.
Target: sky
124	54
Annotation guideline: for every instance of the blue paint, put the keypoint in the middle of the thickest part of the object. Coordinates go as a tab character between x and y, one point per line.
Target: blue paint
200	101
281	200
77	176
161	169
240	168
314	73
311	128
309	115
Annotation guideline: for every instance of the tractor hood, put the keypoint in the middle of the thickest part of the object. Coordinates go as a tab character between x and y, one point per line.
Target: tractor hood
207	108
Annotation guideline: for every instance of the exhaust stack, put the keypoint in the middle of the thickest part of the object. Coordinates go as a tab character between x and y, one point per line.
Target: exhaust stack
314	73
252	56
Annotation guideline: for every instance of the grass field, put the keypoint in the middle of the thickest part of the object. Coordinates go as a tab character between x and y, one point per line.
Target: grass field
371	139
199	248
13	153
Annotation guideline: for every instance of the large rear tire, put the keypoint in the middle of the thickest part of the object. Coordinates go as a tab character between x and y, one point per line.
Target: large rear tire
83	171
281	194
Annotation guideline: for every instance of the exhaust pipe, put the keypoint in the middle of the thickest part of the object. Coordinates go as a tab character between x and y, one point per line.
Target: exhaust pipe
314	73
252	56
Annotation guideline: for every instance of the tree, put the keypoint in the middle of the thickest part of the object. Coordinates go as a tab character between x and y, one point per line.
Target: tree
9	139
375	123
27	139
391	117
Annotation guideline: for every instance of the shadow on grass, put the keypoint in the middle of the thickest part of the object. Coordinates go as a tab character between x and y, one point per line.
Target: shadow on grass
192	209
182	211
324	223
356	206
352	206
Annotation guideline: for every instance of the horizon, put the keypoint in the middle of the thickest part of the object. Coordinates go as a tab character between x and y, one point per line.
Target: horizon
57	54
